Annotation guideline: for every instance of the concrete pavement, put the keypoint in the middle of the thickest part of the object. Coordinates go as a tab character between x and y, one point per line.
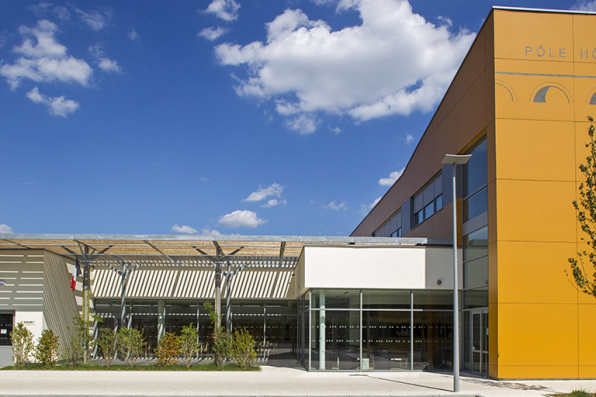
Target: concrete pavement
271	381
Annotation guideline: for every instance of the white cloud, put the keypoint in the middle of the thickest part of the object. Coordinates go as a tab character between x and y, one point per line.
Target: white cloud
336	129
210	232
395	62
204	179
133	35
109	65
335	206
44	7
105	64
303	124
185	229
241	218
62	13
224	9
365	209
274	202
585	6
212	33
39	8
5	229
445	20
57	106
44	59
394	176
409	138
274	190
96	20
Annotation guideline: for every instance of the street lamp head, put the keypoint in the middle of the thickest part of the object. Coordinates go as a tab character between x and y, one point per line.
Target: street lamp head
2	283
456	159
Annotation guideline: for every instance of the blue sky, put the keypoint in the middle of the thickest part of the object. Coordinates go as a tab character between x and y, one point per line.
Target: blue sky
227	116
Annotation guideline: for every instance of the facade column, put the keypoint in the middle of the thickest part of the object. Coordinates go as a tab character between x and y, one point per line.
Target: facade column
161	318
322	330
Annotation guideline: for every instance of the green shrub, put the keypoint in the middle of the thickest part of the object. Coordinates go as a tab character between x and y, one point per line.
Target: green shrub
22	344
46	351
130	343
242	350
189	344
168	350
106	340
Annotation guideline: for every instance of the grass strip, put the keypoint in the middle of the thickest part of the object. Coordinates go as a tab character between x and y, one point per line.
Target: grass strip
91	367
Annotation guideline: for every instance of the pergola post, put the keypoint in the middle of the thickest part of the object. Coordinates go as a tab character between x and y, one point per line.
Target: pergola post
217	260
87	255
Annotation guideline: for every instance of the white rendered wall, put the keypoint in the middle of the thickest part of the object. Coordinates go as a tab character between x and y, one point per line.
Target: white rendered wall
34	321
375	268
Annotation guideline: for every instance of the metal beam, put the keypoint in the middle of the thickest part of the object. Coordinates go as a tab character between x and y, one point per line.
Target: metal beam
15	243
171	258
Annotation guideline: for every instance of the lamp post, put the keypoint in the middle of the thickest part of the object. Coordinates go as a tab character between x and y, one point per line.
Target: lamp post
455	160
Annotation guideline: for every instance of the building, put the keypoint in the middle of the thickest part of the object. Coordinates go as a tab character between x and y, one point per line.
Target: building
330	303
518	104
381	299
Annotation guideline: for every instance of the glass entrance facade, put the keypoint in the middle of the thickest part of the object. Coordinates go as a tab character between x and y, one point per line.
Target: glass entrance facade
375	330
327	330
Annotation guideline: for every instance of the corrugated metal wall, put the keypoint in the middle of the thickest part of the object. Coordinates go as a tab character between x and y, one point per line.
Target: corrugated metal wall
60	304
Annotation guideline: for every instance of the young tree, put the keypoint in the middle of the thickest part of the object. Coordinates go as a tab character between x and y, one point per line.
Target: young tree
222	339
586	215
105	342
189	344
80	339
46	351
131	342
168	350
22	344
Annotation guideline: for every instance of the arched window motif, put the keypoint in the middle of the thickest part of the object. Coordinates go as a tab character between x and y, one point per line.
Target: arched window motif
539	95
510	92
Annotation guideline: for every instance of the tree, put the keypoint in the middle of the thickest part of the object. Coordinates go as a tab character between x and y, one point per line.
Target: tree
131	342
189	344
106	342
46	351
222	339
168	350
586	215
80	339
22	344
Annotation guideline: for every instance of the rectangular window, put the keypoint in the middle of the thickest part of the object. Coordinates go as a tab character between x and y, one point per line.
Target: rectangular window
391	227
475	179
475	244
428	201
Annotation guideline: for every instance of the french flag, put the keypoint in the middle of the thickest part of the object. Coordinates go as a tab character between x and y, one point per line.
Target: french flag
76	272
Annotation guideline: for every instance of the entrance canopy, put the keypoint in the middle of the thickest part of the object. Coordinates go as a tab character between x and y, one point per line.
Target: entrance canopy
194	250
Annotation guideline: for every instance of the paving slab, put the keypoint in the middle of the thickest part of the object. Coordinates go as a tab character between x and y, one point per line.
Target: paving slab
270	381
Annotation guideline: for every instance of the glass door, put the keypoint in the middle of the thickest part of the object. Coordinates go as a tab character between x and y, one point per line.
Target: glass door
479	341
